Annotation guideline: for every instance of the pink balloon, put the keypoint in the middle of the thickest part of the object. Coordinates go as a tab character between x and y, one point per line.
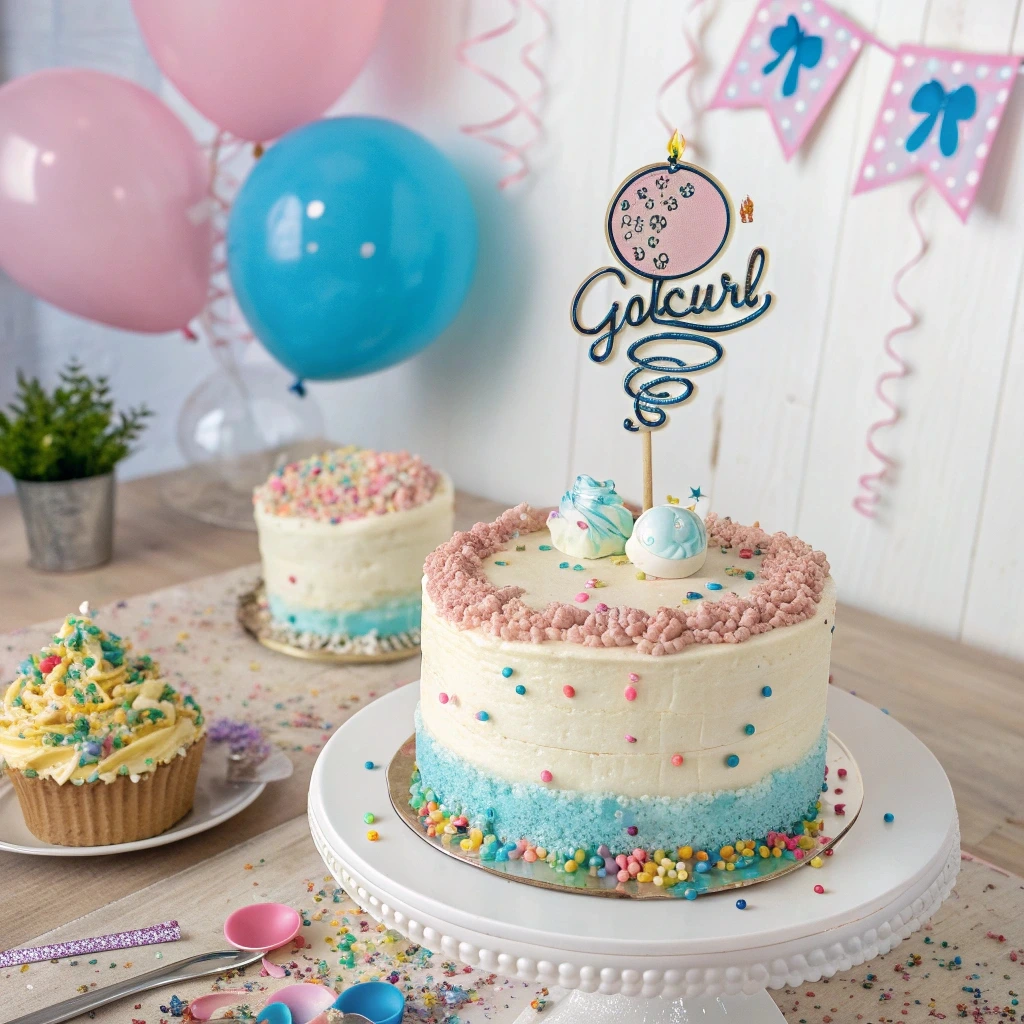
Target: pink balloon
102	200
259	68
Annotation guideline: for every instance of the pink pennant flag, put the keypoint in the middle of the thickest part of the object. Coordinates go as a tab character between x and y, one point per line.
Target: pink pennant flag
792	58
938	117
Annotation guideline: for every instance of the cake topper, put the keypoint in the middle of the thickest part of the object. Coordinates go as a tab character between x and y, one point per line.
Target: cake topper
669	221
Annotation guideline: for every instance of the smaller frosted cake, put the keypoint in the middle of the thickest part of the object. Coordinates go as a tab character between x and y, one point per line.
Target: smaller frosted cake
100	748
343	537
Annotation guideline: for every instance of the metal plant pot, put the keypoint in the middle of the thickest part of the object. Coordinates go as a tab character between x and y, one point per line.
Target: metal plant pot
69	523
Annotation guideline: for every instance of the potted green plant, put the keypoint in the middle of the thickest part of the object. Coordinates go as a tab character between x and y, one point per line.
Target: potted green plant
61	447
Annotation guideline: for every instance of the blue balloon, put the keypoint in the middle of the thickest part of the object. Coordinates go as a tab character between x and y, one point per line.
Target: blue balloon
351	246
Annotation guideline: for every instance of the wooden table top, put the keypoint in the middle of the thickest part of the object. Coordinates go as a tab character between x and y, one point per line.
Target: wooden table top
966	704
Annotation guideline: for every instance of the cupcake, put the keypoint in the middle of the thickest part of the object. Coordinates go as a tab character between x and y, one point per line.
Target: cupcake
343	537
99	747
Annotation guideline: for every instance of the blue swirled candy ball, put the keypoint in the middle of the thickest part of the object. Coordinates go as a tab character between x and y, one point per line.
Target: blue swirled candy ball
350	246
671	532
668	541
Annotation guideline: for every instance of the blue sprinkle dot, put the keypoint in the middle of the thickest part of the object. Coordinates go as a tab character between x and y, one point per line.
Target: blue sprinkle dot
506	671
749	730
958	960
545	547
741	904
501	563
692	595
701	867
690	894
713	586
885	711
578	567
369	765
520	689
824	787
888	817
766	691
482	716
732	760
563	565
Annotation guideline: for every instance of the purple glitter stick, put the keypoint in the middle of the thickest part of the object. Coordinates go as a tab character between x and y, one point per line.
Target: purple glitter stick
166	932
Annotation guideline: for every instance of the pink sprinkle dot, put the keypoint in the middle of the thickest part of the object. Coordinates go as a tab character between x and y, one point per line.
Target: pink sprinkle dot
621	860
677	759
581	597
640	855
623	876
546	776
581	524
602	607
819	889
842	773
443	698
630	693
569	691
630	739
634	868
633	677
530	856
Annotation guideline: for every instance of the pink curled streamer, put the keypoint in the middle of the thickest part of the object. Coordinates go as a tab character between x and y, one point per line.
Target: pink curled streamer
219	316
867	501
520	105
688	65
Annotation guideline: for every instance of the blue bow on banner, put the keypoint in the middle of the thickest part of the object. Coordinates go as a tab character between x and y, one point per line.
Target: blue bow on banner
932	99
806	52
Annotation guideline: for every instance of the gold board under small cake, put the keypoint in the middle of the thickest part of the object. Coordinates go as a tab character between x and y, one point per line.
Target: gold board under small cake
254	616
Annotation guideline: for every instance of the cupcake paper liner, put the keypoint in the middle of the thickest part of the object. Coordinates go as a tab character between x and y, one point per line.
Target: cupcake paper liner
108	813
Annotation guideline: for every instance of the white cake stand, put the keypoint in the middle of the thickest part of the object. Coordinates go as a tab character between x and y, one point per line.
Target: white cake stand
707	960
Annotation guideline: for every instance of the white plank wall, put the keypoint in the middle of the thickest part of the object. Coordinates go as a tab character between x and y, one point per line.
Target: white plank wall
508	401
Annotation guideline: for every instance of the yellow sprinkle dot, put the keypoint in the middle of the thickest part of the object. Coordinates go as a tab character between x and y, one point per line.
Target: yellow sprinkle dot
776	852
683	875
816	862
726	852
659	856
641	575
571	866
764	851
373	835
720	864
730	866
580	856
542	854
684	852
466	844
645	878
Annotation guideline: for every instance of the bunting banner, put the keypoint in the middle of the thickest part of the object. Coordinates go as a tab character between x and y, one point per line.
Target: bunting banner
938	117
791	59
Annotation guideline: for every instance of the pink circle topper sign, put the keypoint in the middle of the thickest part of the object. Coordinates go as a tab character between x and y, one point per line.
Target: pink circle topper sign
668	221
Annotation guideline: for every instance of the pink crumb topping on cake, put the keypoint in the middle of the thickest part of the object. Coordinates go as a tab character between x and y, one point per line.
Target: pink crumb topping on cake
348	483
792	578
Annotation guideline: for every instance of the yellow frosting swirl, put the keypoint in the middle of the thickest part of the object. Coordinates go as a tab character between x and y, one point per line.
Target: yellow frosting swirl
86	710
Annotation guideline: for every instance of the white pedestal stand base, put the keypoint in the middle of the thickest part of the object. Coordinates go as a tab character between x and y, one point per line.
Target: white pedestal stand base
699	956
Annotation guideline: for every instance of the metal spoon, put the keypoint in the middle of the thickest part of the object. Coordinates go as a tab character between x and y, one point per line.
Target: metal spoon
183	970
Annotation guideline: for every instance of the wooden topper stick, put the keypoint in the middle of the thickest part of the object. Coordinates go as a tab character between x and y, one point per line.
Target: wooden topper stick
648	471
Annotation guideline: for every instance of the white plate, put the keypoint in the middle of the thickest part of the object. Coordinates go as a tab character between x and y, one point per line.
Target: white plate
216	800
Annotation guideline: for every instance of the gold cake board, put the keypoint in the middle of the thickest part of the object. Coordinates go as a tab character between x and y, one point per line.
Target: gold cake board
254	617
586	882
